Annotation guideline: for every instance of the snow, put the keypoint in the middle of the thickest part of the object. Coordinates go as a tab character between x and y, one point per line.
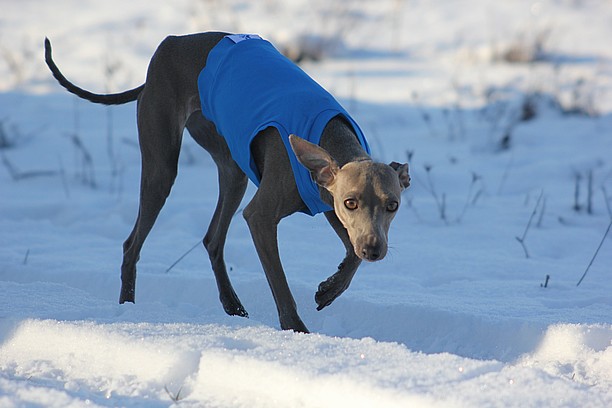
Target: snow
456	315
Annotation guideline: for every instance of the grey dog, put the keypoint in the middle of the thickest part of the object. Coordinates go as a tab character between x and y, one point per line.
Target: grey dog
361	195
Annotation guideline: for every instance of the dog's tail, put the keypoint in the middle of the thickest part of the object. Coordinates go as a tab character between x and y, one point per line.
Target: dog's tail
106	99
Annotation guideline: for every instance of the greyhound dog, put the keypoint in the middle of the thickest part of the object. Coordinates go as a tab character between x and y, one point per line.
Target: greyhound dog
358	196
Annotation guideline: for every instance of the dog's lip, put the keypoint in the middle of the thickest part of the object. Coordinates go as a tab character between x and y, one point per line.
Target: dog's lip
371	260
380	258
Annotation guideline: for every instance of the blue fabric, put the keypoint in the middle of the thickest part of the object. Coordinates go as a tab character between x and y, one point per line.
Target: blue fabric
248	86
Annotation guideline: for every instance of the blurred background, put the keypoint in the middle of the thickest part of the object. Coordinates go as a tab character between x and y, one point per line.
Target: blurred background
559	46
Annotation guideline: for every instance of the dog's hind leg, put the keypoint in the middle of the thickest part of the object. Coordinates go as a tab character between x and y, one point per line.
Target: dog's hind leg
160	132
232	186
333	287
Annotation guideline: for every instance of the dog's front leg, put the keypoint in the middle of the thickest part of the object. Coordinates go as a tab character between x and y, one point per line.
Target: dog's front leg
263	227
333	287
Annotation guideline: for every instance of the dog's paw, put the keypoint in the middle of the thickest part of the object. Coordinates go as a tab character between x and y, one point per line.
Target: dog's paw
237	311
233	307
329	290
127	295
294	324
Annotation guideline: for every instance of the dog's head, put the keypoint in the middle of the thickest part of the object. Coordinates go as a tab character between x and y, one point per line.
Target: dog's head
366	195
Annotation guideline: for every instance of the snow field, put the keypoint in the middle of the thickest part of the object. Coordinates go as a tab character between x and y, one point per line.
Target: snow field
256	366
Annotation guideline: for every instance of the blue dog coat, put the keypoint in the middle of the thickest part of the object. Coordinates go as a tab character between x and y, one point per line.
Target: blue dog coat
248	86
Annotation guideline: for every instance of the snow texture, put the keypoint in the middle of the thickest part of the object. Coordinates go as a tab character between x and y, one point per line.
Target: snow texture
504	110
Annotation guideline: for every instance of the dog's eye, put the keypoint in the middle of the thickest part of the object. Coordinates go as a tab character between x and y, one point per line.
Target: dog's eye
392	206
351	204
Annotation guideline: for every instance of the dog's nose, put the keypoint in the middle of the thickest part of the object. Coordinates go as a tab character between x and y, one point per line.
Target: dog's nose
370	253
371	248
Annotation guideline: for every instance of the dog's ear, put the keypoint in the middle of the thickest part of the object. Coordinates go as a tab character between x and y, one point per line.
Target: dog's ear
321	165
402	173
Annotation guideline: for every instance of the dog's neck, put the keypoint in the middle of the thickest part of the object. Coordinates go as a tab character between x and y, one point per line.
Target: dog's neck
340	141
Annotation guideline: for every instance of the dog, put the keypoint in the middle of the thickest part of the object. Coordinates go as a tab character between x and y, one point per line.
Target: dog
244	102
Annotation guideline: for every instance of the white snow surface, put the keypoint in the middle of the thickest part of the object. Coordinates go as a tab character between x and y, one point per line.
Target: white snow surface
455	315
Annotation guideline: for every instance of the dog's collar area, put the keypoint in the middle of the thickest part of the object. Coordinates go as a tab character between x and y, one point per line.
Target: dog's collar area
362	159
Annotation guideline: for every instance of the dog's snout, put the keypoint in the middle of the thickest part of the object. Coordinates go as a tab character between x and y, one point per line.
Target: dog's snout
372	248
370	253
